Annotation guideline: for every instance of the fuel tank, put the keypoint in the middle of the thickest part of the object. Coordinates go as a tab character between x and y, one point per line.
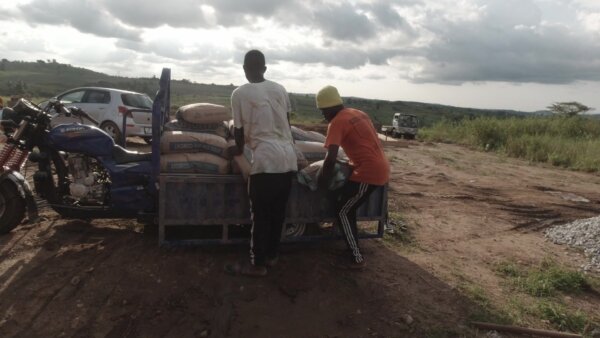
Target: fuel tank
80	138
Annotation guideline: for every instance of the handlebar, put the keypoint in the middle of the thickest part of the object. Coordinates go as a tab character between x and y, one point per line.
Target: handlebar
60	107
85	115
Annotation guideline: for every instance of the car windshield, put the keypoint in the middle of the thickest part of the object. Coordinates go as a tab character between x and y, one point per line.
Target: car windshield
137	101
408	121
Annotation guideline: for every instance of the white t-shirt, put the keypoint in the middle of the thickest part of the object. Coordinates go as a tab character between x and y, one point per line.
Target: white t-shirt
261	109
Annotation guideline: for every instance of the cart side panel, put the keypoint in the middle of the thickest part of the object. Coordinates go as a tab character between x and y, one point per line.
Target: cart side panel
196	199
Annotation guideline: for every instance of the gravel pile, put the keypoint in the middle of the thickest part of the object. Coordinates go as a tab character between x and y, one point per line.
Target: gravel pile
583	234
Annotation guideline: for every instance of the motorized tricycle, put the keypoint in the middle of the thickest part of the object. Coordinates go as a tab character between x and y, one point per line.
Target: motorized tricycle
82	173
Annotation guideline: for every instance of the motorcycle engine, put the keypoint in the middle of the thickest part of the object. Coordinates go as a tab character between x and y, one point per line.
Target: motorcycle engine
89	180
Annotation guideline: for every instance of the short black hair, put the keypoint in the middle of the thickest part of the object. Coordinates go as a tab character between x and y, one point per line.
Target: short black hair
254	60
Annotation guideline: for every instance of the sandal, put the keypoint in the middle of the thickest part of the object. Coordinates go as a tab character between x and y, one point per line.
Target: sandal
246	269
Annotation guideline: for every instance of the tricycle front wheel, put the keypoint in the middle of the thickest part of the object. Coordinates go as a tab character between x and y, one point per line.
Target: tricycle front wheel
12	207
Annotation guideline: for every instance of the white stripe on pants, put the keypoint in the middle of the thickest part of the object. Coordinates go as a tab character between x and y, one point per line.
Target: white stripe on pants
346	223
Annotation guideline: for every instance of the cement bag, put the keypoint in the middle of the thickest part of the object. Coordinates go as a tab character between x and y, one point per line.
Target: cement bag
318	137
241	164
301	135
202	113
198	163
309	176
191	142
315	151
220	128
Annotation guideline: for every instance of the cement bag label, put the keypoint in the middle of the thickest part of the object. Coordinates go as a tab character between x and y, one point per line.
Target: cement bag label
192	142
201	163
193	166
221	128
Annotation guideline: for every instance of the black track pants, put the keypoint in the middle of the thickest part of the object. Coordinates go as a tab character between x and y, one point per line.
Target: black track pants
269	194
350	197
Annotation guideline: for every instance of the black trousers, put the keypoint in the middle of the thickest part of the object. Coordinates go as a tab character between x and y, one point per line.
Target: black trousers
349	198
269	194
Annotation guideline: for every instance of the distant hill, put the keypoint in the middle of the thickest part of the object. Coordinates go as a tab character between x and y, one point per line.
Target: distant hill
46	78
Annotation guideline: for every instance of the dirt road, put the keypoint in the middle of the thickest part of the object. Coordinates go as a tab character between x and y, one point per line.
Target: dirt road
465	211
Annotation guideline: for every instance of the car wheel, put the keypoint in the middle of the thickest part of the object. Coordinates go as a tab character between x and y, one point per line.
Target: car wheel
148	140
112	130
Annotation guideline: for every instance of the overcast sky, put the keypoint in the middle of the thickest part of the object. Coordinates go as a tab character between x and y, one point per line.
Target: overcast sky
513	54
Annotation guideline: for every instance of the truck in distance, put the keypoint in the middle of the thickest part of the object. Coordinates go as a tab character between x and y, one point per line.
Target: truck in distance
403	125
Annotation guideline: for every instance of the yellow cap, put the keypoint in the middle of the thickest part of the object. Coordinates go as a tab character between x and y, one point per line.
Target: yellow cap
328	97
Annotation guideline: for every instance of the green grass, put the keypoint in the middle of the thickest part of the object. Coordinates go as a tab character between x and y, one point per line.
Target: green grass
569	142
543	283
563	319
401	234
544	280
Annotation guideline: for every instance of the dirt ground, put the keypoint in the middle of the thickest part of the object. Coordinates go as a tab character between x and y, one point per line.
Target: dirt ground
465	212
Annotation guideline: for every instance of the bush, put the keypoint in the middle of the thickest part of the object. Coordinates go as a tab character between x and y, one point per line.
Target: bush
561	318
570	142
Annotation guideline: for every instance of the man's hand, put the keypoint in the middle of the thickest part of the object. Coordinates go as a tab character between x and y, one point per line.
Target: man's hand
232	151
328	166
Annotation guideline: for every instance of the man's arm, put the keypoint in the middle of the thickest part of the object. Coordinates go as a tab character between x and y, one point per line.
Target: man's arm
238	148
328	166
290	124
238	130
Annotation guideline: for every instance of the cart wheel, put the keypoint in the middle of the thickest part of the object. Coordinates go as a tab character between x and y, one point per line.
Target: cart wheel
293	230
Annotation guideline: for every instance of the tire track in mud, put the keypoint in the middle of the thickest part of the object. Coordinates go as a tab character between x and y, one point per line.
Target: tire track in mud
525	217
118	330
69	268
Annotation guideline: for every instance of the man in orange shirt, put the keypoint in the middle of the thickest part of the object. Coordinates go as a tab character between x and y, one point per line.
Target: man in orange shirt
352	130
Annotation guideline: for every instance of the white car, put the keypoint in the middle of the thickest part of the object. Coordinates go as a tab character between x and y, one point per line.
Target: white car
107	106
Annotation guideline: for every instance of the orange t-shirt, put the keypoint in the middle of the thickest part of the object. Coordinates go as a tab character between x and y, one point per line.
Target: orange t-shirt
353	130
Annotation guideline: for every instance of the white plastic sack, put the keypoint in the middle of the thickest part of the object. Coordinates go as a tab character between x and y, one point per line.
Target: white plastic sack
309	176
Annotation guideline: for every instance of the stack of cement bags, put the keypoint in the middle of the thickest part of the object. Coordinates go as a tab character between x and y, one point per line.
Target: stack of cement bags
196	142
312	145
242	164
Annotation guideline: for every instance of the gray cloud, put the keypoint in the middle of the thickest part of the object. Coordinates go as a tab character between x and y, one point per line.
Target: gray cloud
171	50
85	16
343	22
388	17
508	45
240	12
510	40
154	13
346	58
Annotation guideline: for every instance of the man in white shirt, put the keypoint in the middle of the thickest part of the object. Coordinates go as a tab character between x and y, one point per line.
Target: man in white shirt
261	119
